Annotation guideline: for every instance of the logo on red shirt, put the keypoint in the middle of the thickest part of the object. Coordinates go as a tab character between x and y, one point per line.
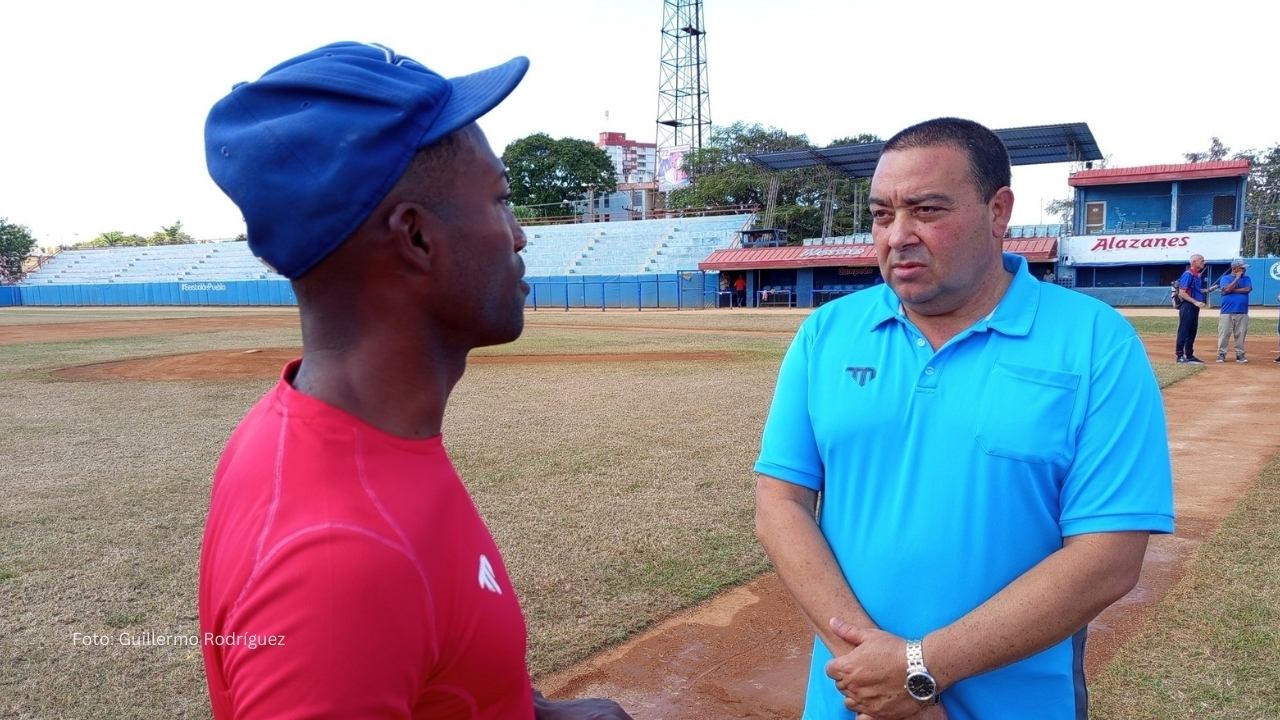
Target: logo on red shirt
488	580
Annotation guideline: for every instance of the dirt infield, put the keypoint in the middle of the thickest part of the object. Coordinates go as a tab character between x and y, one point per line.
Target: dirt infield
43	332
745	653
267	362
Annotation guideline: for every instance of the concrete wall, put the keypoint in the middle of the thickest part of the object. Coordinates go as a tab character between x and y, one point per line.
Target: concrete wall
683	290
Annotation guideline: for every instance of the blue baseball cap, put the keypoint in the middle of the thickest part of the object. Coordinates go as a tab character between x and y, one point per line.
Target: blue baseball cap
308	150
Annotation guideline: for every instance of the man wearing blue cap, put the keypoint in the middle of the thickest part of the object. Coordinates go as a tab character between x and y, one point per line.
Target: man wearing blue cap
1233	315
345	571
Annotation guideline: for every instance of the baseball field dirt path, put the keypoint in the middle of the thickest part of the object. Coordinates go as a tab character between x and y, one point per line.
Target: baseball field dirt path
744	654
37	332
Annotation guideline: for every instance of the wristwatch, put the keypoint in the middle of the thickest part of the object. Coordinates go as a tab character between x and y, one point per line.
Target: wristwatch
920	684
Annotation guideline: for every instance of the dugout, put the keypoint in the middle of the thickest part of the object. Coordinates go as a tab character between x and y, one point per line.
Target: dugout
822	270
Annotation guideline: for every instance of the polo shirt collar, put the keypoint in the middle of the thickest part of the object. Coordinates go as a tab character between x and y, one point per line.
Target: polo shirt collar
1017	309
1013	315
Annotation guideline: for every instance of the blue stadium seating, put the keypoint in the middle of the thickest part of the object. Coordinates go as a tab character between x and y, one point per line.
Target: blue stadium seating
855	239
620	248
161	263
628	248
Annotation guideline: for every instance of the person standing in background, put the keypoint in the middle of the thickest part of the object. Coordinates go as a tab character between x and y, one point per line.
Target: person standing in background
1277	333
1194	297
1233	316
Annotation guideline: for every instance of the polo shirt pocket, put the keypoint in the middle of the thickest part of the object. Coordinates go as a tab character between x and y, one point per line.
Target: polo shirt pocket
1025	413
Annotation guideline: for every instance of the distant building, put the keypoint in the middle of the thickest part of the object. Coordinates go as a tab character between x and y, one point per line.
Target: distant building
634	164
633	161
1135	228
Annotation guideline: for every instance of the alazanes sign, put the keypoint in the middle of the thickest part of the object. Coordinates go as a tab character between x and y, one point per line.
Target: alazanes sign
1174	247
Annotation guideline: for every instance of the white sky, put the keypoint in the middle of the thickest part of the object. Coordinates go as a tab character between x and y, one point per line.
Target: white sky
102	104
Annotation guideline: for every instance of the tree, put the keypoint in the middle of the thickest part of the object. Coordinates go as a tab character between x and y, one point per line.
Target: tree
171	235
548	175
1063	208
115	238
166	235
523	213
16	243
723	174
1216	151
1262	200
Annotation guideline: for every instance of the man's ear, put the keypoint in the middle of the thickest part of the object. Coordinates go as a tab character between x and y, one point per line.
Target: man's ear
1001	207
409	227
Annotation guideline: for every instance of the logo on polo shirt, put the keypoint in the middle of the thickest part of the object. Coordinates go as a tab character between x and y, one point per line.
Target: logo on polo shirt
862	374
488	580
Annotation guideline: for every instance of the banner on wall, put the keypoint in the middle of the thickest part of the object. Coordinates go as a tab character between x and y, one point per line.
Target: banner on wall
1171	247
671	174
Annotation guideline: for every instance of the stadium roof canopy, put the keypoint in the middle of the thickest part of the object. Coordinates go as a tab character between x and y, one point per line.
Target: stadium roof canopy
1039	144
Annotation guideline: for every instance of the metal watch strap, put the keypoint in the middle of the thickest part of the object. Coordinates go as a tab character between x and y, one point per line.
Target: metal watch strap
915	664
915	656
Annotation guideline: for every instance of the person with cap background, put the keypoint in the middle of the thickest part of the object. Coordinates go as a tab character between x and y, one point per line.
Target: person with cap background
1233	314
345	571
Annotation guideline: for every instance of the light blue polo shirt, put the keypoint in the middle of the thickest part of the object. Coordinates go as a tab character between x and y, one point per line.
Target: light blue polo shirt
946	475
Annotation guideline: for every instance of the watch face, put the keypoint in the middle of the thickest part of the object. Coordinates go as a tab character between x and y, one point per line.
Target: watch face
921	686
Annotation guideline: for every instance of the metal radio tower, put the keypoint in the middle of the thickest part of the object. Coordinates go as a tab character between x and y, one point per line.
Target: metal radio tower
684	111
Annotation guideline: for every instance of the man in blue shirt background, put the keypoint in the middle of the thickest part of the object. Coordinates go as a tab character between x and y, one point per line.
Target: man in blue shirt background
1193	293
990	452
1233	315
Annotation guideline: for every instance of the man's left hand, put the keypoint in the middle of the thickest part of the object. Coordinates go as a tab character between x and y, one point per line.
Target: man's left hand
584	709
873	677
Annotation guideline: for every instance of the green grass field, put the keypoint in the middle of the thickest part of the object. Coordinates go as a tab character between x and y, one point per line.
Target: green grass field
619	492
1211	647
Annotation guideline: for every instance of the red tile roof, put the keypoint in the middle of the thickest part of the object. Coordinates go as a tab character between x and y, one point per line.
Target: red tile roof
792	256
1160	173
1034	249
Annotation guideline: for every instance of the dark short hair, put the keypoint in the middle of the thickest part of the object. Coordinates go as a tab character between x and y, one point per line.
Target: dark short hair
988	157
432	171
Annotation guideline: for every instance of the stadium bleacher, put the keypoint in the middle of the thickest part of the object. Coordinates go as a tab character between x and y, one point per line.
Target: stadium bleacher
855	239
620	248
1023	232
157	263
1014	232
628	248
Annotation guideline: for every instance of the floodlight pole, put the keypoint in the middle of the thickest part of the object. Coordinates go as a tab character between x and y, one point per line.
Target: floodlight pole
684	107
